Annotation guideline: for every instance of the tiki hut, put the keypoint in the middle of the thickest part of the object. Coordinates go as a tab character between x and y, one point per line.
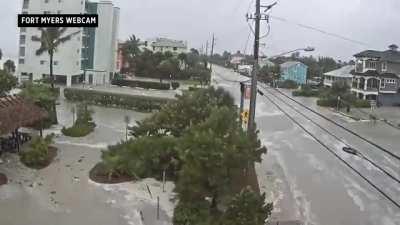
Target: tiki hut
16	112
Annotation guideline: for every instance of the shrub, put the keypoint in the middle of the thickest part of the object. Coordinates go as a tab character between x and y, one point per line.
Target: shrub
140	103
288	84
83	125
39	155
175	85
306	91
79	130
359	103
142	84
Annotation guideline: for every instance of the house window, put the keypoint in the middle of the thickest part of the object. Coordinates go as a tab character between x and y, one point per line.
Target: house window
390	81
370	64
21	61
22	39
42	62
383	83
22	51
384	66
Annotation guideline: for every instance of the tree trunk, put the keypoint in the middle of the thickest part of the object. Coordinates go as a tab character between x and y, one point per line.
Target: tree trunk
54	117
51	70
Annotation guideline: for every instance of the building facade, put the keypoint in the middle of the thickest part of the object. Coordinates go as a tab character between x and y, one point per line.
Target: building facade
295	71
342	75
376	76
90	56
165	45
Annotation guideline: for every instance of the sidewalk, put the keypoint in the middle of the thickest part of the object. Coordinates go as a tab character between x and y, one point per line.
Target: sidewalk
170	94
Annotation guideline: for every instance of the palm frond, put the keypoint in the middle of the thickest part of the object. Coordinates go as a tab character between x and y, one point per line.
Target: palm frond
65	39
41	50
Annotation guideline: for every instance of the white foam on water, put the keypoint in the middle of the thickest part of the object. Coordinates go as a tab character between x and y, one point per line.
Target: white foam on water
88	145
356	199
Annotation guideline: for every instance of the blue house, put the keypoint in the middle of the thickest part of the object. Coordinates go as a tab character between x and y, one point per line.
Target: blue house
295	71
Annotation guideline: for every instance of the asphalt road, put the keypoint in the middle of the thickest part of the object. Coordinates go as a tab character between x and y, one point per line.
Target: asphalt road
309	183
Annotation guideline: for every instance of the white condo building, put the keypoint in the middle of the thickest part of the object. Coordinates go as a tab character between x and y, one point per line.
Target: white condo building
90	56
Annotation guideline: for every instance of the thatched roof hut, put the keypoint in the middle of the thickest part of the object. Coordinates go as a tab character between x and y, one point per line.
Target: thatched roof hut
16	112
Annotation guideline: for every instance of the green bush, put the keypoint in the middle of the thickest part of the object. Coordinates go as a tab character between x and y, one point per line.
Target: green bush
359	103
142	84
175	85
306	91
139	103
288	84
79	130
38	155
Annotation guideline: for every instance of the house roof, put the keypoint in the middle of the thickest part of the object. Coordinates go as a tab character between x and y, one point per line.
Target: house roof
16	112
165	42
389	75
369	73
389	55
344	72
290	64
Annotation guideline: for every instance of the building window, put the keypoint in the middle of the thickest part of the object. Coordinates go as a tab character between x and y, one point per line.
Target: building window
383	83
390	81
21	61
42	62
24	12
46	1
46	12
22	51
23	29
58	11
384	66
55	63
370	65
59	1
175	48
22	39
25	4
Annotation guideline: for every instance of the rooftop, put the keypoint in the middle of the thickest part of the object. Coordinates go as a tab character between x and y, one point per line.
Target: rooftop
165	42
290	64
16	112
388	55
344	72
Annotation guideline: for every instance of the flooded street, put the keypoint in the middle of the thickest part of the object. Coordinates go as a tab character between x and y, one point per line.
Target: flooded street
307	182
63	194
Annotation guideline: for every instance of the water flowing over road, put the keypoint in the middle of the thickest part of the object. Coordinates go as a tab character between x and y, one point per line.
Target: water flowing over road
305	180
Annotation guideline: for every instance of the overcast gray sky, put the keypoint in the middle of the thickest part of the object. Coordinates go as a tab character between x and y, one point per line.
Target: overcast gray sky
374	22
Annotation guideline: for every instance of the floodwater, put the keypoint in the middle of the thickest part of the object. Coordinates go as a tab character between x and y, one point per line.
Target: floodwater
308	183
62	194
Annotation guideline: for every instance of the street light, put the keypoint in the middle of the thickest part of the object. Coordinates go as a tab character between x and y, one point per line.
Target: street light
306	49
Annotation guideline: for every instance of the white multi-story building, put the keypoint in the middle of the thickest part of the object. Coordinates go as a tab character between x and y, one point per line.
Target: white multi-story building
90	56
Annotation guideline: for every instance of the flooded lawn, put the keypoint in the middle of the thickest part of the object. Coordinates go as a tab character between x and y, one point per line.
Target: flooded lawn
63	194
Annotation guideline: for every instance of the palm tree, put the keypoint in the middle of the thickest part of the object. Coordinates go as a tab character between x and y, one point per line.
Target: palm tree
9	66
50	39
131	50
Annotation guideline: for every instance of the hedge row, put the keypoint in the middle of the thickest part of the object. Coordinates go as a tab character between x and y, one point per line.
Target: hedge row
134	102
332	102
145	84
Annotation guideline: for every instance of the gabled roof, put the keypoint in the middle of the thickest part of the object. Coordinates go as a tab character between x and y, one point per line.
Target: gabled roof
344	72
16	112
290	64
389	55
165	42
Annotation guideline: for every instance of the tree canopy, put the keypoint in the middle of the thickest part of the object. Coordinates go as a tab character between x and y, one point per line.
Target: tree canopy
7	82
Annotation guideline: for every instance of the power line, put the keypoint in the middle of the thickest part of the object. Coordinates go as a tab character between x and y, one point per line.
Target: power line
336	137
334	153
341	126
320	31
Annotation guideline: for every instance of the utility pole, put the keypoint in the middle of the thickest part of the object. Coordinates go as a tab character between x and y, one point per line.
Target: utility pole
212	49
257	17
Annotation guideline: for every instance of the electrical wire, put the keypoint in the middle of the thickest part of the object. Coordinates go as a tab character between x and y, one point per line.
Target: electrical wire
335	136
341	126
334	153
320	31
